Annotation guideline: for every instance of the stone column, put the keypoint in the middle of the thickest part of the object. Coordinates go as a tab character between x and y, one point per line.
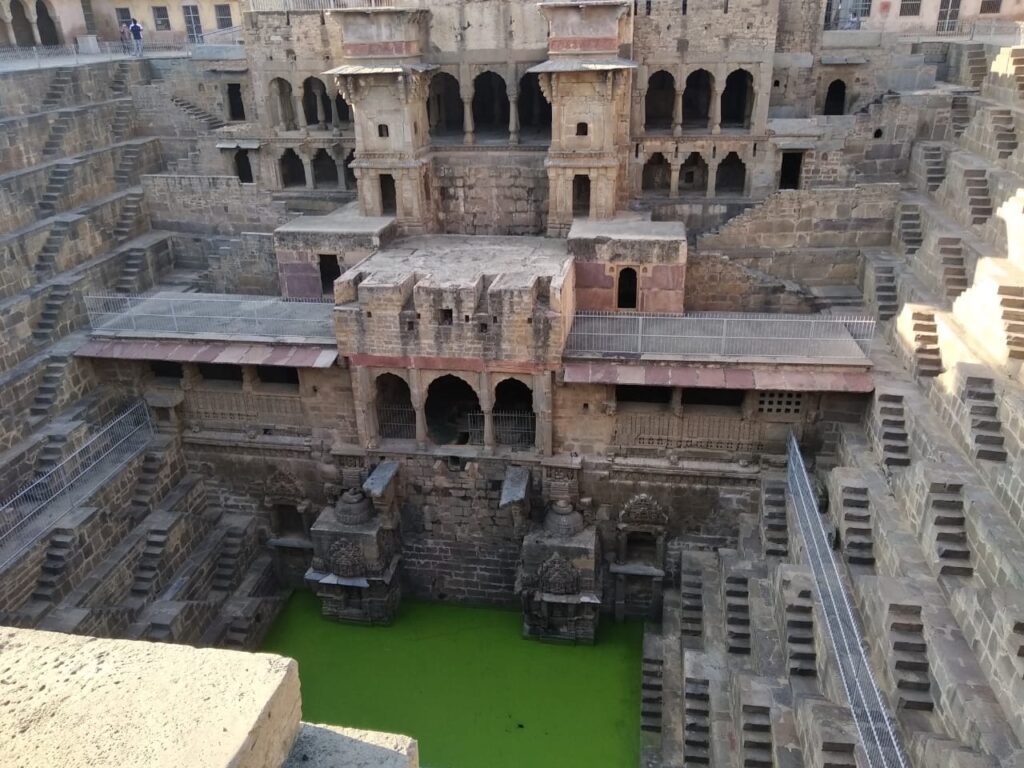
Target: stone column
418	402
467	120
716	109
363	396
643	111
8	25
487	405
513	118
300	113
674	184
321	118
307	164
755	111
677	114
712	175
542	411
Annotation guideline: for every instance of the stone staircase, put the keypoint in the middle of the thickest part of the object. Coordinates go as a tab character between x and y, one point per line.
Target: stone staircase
756	736
855	525
986	432
802	657
737	614
979	202
146	484
696	722
57	90
198	114
1003	132
119	82
47	258
924	336
946	510
977	64
1011	302
225	575
49	387
1017	61
910	235
55	562
130	210
954	273
125	171
55	141
120	128
691	597
50	316
134	265
147	569
650	694
51	454
891	416
237	633
909	657
959	115
934	162
56	187
774	526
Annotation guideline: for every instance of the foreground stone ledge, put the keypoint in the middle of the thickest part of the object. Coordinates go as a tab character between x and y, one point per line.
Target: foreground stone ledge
74	701
327	746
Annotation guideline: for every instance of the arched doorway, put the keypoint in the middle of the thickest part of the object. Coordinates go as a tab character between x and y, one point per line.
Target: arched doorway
396	418
580	195
514	420
693	174
293	172
738	99
835	98
325	170
316	103
282	110
534	110
48	34
657	175
732	176
626	290
490	105
452	411
21	25
243	168
444	106
697	100
660	101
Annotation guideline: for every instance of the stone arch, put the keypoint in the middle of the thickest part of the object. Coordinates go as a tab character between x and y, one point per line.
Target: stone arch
835	98
490	104
392	399
697	99
293	171
659	101
46	23
325	170
444	106
243	166
738	99
316	102
693	174
626	289
534	109
22	27
657	174
451	410
282	108
731	178
643	509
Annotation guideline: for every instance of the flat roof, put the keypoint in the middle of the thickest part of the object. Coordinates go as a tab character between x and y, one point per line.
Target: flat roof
460	260
346	220
628	229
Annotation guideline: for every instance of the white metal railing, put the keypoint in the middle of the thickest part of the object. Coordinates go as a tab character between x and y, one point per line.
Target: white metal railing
207	408
705	335
1002	30
219	315
282	6
109	450
875	725
27	57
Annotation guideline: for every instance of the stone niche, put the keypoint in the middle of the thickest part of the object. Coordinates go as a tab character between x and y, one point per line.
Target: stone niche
638	569
355	558
559	578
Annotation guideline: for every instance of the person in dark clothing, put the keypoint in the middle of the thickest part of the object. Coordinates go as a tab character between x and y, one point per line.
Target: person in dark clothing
136	30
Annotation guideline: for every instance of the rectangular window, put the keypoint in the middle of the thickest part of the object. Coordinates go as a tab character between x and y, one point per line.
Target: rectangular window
726	398
281	375
780	403
223	14
124	16
910	7
220	372
161	20
640	393
991	6
193	26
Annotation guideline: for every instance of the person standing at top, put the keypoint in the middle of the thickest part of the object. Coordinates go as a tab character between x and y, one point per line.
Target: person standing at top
136	30
126	38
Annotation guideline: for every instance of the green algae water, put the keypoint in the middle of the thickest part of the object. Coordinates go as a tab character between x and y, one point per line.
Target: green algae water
468	687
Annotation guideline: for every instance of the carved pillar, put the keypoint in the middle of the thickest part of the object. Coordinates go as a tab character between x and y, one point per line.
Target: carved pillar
467	120
643	111
674	185
715	122
363	394
300	112
513	118
677	114
321	118
712	176
418	403
307	164
487	406
8	25
542	410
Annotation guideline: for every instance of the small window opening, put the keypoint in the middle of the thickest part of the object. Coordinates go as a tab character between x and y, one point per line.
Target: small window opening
627	290
878	133
447	317
789	176
220	372
388	196
730	398
382	131
243	168
637	393
166	369
278	374
236	107
330	270
582	129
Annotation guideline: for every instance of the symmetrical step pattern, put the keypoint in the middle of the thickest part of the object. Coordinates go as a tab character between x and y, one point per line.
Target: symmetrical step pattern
49	387
909	657
1011	301
910	228
858	541
225	574
691	598
149	563
927	357
57	89
145	485
978	200
892	418
126	166
756	735
51	454
197	113
56	187
934	166
696	722
119	82
987	441
737	614
58	131
50	316
959	115
954	273
134	265
977	64
946	509
55	563
774	527
1003	130
47	259
121	125
802	658
886	299
129	214
1017	60
650	695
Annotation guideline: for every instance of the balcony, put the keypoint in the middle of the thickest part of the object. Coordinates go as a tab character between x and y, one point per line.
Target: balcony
722	338
211	317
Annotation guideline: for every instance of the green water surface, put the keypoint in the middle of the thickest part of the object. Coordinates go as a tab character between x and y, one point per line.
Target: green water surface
468	687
